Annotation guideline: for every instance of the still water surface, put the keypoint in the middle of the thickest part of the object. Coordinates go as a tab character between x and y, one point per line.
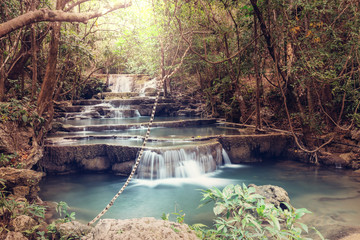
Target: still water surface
333	195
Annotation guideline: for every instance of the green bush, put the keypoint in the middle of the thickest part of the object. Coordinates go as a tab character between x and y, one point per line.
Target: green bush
10	209
21	112
243	214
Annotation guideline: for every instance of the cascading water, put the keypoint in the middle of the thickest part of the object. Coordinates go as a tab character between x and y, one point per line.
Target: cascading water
180	163
226	157
119	83
123	111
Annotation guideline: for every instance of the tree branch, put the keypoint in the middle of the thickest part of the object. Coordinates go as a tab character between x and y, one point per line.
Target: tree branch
47	15
268	39
205	58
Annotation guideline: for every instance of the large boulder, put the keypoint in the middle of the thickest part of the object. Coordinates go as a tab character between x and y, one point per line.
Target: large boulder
22	223
273	194
21	183
14	138
72	230
15	236
143	228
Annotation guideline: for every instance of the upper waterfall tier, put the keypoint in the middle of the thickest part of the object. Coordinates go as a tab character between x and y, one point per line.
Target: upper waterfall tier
128	85
96	108
120	83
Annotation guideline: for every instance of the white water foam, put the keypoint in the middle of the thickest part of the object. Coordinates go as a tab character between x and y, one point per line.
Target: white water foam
204	181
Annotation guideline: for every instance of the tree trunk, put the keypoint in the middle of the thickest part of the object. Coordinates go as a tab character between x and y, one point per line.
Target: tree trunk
257	74
49	83
34	61
163	72
34	55
268	39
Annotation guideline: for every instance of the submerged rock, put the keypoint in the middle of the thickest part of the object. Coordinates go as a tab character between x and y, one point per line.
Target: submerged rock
96	164
143	228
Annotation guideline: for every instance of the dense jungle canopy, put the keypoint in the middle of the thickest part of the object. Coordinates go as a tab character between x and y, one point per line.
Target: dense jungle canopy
290	64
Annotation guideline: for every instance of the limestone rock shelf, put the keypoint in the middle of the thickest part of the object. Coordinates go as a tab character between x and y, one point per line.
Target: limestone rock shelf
103	135
169	124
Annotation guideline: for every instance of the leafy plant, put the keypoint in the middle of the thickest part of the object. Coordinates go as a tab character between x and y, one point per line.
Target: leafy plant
10	209
52	230
243	214
23	112
62	209
180	216
5	159
165	216
34	210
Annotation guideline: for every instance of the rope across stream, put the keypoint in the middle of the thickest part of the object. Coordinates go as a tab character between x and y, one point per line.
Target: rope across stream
137	160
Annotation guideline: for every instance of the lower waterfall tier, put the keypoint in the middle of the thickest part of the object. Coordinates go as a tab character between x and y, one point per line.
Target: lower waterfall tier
180	163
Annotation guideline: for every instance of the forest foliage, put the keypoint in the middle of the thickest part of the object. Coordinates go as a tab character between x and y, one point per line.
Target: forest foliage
291	63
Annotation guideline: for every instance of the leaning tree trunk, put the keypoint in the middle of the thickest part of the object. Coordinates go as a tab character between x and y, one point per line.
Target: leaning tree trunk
45	99
47	88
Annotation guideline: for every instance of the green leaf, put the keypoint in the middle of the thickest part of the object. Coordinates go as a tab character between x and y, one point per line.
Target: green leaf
318	233
218	209
257	196
301	212
217	192
220	227
304	226
275	221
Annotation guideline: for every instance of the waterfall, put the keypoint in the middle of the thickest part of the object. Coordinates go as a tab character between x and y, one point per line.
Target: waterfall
226	157
122	111
119	83
119	111
179	163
